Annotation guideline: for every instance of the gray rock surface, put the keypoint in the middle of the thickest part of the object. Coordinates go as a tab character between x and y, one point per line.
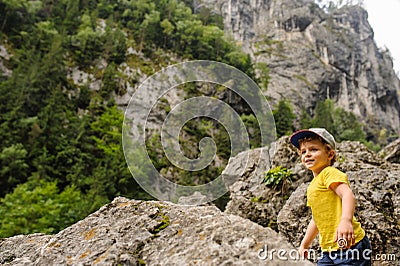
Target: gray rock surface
312	55
249	197
295	216
132	232
391	152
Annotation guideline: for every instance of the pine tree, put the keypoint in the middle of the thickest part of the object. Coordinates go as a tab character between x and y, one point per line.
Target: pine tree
284	118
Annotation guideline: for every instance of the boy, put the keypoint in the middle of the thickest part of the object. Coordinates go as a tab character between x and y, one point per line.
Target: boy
341	237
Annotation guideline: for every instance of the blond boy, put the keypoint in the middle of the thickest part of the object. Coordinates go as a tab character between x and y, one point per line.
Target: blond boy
341	237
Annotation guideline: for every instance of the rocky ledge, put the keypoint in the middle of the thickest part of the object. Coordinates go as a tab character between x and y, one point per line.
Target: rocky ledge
133	232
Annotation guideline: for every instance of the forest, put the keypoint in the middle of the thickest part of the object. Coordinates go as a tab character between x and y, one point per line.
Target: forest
60	150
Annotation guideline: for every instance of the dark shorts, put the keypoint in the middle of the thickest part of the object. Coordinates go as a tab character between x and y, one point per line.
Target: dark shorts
360	255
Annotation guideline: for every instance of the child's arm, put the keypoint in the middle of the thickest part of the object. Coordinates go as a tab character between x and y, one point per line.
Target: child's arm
345	229
311	234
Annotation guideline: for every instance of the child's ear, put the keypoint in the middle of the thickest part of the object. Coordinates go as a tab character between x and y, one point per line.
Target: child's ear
331	154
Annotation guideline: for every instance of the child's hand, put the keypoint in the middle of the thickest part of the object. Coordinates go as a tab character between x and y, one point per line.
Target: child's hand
303	252
345	234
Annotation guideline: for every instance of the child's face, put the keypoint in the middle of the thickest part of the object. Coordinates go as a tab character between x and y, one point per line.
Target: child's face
315	155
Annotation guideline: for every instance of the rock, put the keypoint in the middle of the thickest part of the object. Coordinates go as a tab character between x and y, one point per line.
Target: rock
283	153
351	155
374	182
18	250
312	55
294	217
376	191
391	152
252	199
249	198
130	232
193	199
133	232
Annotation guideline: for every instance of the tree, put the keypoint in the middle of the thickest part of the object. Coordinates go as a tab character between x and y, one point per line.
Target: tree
284	118
14	167
111	175
305	119
114	45
347	126
38	206
253	129
342	124
323	116
86	44
149	28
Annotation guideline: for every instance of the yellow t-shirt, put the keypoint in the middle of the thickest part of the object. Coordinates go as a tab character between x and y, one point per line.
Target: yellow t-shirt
326	207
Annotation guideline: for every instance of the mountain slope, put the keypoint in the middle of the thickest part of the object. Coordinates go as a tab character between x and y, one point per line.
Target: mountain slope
312	55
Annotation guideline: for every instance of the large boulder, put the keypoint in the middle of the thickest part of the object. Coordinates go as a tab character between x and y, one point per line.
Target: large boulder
133	232
295	216
354	156
249	197
391	152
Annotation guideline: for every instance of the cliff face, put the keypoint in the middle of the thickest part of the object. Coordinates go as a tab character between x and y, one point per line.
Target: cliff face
312	56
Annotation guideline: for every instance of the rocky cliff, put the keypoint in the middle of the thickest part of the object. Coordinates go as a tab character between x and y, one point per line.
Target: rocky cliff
312	55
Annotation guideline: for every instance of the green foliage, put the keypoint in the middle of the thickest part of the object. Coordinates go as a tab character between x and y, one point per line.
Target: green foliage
155	151
111	176
86	44
264	76
109	81
278	178
347	126
323	116
342	124
14	166
115	45
305	119
253	130
258	199
40	207
67	136
60	153
192	132
284	118
107	129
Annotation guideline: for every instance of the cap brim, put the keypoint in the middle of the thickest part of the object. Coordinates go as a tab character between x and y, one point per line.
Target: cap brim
294	139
